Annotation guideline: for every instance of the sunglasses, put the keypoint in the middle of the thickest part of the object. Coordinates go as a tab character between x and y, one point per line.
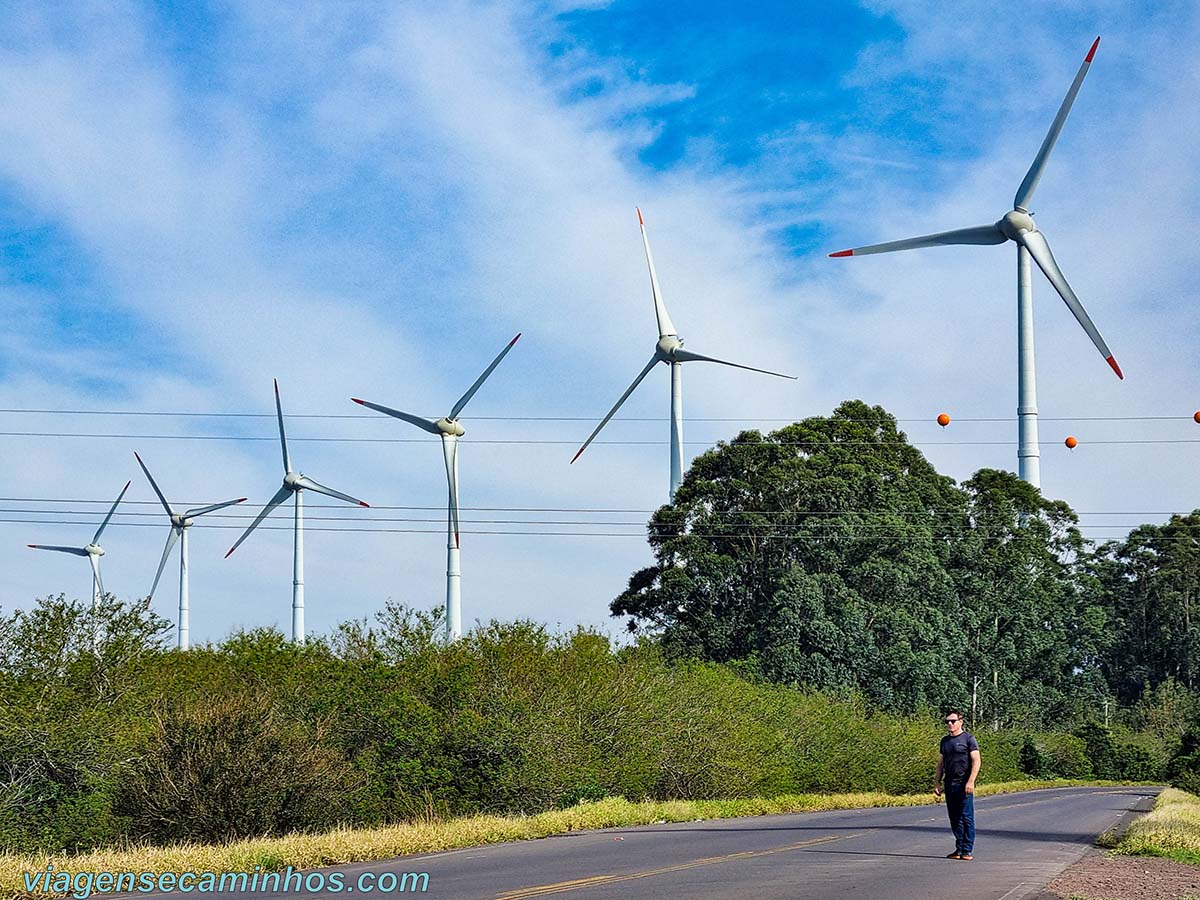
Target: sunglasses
951	721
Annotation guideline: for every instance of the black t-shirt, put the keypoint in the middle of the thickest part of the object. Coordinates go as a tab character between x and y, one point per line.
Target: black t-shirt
956	757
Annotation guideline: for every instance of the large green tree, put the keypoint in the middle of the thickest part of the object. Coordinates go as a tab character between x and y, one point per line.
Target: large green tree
1151	585
820	553
831	553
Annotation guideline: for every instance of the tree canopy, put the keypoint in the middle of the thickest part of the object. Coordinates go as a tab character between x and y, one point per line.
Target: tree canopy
831	553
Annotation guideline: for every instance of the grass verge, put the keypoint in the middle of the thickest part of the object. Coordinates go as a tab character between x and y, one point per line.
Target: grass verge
1171	829
353	845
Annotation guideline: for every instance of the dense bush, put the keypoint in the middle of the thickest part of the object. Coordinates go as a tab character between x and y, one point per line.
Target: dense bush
129	740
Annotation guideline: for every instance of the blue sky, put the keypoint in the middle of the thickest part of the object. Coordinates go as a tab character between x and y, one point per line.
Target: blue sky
370	201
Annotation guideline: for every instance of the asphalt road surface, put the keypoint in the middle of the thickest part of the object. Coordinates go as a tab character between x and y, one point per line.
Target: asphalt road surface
1023	840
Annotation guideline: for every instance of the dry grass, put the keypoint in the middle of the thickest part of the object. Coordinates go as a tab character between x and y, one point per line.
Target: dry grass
1171	829
351	845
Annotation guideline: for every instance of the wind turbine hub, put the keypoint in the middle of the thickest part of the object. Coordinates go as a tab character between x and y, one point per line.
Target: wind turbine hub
94	550
1016	222
179	521
292	481
667	345
450	427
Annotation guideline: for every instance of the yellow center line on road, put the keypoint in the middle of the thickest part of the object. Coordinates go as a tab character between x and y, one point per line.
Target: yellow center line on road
595	880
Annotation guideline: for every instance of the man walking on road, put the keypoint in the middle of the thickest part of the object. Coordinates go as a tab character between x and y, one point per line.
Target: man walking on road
958	761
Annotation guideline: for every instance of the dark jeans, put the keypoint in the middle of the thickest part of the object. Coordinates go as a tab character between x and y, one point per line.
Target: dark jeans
961	807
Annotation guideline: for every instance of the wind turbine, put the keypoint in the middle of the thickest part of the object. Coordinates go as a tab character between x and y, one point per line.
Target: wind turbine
1017	226
180	523
669	350
93	552
449	430
293	483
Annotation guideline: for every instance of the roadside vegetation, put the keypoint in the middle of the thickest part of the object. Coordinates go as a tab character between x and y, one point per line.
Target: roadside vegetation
1171	829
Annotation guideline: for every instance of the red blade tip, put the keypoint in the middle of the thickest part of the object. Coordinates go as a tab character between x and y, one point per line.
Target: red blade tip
231	549
359	402
639	212
367	505
242	499
456	544
31	546
1092	52
576	456
517	338
842	253
1112	362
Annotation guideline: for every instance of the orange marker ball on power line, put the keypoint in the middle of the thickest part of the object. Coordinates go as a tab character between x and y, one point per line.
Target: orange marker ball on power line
944	419
1197	415
1071	443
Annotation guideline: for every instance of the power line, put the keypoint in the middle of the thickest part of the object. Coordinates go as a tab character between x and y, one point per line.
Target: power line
954	510
931	418
879	532
572	443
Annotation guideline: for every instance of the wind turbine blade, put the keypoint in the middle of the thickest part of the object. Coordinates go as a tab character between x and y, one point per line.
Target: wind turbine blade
665	325
1025	191
201	510
682	355
171	539
280	495
111	510
95	561
451	447
654	360
462	401
977	234
425	424
287	463
1035	242
74	551
154	484
309	485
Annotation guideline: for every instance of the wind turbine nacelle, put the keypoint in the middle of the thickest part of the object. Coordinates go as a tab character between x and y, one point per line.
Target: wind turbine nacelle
179	521
292	480
94	550
667	345
450	427
1015	222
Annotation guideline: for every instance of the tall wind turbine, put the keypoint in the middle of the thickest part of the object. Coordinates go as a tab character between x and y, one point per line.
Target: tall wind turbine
1017	226
669	350
92	551
449	430
294	483
180	523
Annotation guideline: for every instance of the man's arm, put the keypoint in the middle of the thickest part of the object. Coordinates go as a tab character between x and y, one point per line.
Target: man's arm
937	777
975	762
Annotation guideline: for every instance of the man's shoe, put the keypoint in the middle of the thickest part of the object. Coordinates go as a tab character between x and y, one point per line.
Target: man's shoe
964	856
954	855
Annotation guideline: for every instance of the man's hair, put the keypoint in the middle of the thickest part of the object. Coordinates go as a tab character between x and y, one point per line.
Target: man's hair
956	712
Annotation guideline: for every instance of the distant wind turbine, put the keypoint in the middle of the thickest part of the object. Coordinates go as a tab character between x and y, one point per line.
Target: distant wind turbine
180	523
449	430
1017	226
293	483
669	350
93	552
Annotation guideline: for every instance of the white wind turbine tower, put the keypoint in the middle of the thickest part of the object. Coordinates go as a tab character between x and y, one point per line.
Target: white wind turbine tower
180	523
1017	226
293	483
93	552
449	430
669	350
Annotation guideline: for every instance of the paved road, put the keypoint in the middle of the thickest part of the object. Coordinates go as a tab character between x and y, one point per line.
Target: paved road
1024	840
